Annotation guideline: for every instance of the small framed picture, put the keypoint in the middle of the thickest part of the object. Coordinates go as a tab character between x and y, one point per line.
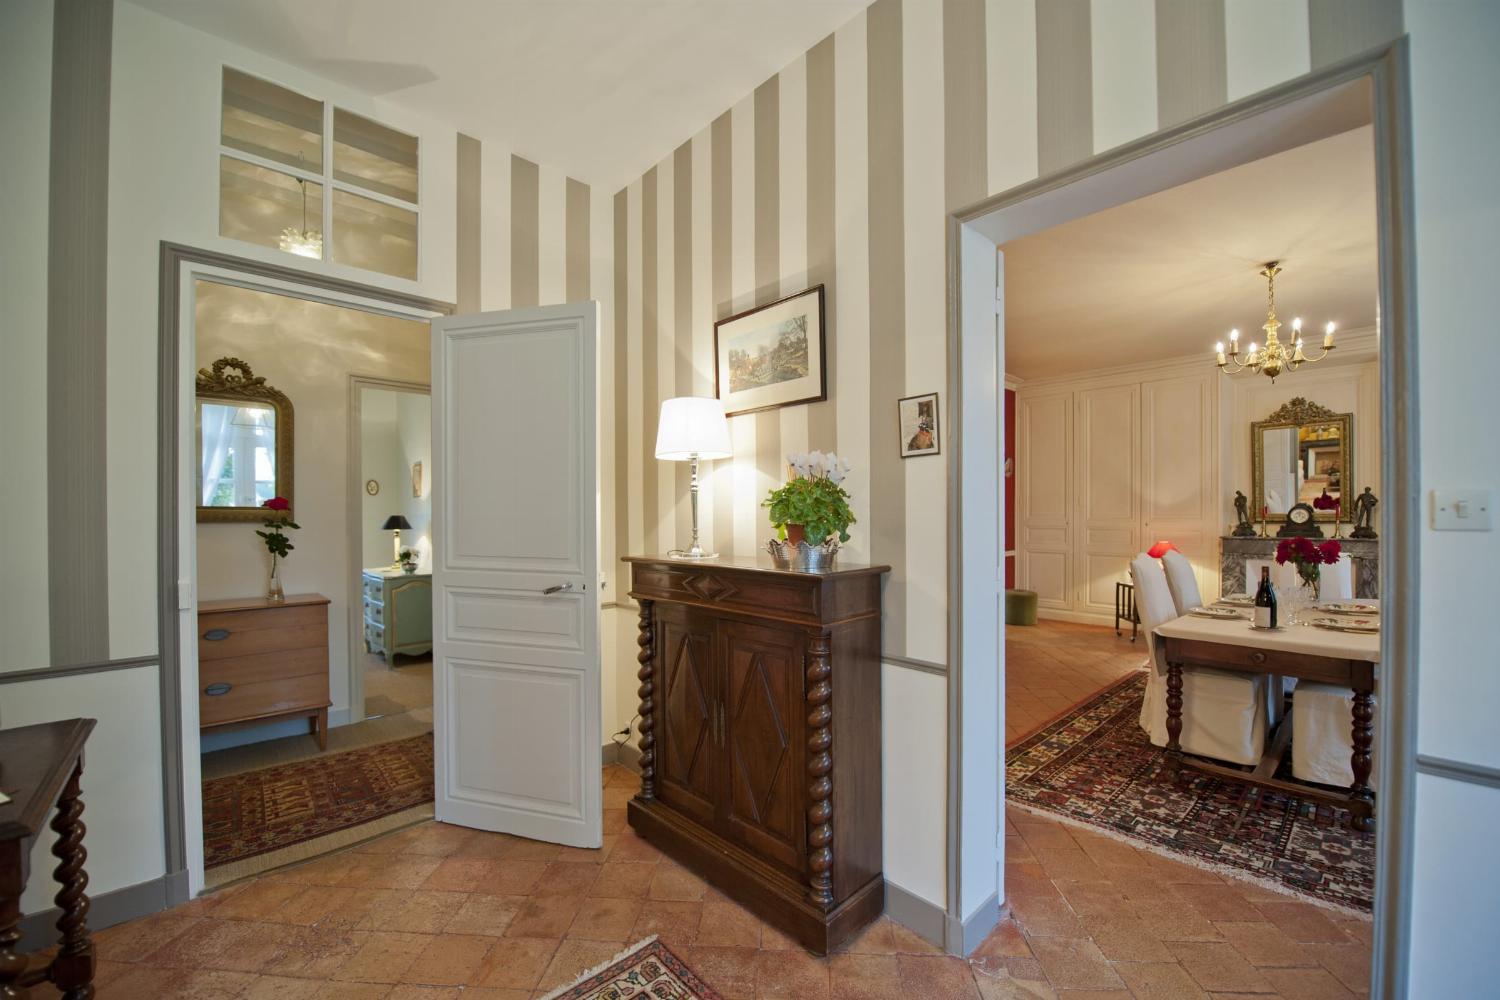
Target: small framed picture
416	479
772	355
919	425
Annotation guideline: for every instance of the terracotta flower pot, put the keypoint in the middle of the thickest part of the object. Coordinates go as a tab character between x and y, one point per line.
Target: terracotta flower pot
795	533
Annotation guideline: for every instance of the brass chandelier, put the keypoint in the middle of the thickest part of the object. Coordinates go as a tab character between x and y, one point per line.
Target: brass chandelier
1275	357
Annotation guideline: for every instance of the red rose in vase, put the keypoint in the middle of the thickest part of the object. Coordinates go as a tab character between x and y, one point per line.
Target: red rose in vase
277	543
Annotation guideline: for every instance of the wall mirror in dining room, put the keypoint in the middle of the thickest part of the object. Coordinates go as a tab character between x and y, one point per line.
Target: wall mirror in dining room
244	432
1298	453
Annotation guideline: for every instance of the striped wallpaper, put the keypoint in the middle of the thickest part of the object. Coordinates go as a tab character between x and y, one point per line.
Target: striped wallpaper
839	170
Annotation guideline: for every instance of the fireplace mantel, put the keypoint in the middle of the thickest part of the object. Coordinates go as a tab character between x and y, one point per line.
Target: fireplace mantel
1234	551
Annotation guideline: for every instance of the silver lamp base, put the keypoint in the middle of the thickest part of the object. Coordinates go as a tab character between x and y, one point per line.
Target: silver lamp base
693	553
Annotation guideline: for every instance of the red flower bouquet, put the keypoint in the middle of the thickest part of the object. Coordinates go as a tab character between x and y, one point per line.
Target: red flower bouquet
1308	556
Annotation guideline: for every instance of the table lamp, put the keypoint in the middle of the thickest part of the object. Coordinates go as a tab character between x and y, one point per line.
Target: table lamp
690	428
1160	549
395	523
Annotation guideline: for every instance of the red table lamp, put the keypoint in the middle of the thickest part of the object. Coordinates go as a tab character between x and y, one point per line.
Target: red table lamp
1160	549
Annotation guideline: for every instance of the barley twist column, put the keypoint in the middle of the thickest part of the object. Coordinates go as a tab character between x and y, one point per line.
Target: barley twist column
819	772
647	676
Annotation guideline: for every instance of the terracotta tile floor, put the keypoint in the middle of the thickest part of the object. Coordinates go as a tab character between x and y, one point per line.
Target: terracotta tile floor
438	912
1052	666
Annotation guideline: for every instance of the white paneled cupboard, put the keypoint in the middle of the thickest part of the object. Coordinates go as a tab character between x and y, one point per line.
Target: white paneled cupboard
1106	465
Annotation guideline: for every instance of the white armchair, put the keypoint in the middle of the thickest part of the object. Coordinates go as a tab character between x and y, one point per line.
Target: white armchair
1224	712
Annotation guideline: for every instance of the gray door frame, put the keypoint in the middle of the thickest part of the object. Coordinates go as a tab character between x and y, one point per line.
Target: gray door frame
1388	69
169	313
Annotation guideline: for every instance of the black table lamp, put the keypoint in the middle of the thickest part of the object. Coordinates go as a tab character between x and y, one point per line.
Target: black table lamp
395	523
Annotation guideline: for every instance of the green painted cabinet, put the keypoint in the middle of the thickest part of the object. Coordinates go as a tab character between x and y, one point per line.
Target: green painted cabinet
398	612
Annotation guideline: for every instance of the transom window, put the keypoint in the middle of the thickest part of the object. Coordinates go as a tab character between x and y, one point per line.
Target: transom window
282	185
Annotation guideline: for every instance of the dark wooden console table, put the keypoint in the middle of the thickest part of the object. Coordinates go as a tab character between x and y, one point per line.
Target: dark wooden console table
39	766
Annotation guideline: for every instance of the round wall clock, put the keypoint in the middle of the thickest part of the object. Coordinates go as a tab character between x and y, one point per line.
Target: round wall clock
372	487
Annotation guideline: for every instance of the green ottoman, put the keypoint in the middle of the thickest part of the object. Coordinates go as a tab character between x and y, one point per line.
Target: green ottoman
1020	607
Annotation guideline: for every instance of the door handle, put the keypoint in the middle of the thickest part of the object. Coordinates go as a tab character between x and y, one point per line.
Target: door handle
558	588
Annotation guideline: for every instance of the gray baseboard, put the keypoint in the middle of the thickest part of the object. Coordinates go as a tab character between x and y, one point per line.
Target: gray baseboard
627	755
39	930
964	936
925	920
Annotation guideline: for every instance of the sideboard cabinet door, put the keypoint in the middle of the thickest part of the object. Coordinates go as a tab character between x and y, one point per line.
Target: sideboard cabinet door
762	805
687	760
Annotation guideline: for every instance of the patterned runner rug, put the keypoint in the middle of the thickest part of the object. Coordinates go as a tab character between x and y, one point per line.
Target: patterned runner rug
647	970
1096	766
249	814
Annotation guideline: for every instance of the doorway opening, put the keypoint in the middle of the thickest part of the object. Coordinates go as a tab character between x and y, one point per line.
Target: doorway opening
1259	127
391	460
278	677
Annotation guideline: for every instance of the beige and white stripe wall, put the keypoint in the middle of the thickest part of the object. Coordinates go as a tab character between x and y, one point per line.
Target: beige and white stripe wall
839	169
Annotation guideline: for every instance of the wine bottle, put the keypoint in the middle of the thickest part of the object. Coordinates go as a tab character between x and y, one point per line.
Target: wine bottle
1265	601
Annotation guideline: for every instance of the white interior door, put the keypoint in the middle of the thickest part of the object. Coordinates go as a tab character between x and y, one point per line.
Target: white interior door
516	662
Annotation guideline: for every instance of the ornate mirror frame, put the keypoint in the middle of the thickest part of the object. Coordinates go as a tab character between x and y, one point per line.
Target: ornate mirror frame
1299	412
241	385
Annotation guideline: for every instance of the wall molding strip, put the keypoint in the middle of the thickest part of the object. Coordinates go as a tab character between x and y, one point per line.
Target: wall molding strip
1458	770
73	670
39	930
964	936
911	663
924	919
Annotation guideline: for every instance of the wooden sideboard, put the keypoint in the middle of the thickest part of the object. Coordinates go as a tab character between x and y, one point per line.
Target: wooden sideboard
398	612
760	736
261	660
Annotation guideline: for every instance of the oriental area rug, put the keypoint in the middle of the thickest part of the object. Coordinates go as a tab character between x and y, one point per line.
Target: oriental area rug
647	970
258	812
1095	766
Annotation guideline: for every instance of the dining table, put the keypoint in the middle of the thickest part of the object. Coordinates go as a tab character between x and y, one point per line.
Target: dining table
1302	650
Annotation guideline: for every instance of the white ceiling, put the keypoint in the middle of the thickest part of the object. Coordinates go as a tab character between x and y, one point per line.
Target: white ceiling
1169	274
599	89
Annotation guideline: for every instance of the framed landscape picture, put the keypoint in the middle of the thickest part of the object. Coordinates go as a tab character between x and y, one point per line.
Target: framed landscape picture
772	355
918	416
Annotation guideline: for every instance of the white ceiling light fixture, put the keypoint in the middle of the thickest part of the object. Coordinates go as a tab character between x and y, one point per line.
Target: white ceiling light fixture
1275	357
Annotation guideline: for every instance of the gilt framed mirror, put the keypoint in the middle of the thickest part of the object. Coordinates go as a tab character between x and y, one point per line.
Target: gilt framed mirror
244	433
1298	453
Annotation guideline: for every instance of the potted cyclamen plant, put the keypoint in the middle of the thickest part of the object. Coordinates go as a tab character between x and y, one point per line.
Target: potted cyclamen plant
810	512
1308	557
278	544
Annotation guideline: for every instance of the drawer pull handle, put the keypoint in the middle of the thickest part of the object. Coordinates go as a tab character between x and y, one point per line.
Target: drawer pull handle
216	634
214	690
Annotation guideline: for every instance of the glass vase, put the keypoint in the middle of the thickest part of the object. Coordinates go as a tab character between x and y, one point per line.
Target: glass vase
274	593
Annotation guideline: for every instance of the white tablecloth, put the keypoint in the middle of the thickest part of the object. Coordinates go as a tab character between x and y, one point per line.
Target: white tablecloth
1306	639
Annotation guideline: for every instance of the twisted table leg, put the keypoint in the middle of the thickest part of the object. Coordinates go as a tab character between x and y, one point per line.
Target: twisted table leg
73	969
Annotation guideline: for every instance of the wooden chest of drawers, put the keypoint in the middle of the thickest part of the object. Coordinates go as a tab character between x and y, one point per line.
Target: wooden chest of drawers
760	736
259	661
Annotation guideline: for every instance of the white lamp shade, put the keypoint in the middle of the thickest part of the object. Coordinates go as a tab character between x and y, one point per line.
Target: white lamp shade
692	425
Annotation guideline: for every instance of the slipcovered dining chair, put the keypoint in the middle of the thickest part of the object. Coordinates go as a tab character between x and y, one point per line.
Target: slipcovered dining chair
1181	581
1336	582
1322	737
1224	712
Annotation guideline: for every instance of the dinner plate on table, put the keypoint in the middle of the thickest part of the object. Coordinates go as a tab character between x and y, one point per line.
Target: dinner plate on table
1347	624
1238	600
1346	608
1223	614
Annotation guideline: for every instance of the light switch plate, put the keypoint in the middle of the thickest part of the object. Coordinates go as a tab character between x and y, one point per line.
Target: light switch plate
1460	510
